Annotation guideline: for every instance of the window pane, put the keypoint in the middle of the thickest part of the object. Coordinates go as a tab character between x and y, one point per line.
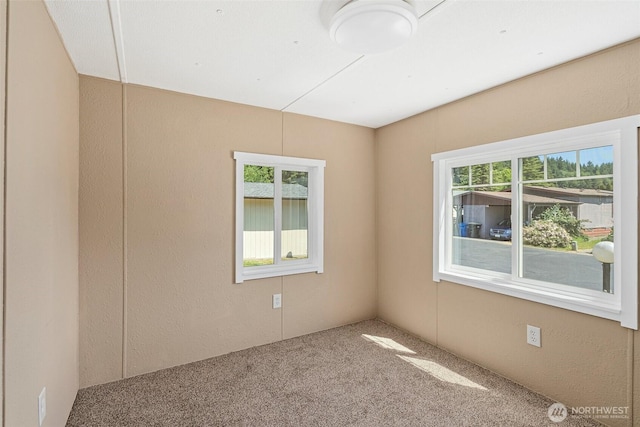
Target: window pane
295	215
258	215
596	161
501	172
480	174
460	176
562	222
532	168
561	165
482	228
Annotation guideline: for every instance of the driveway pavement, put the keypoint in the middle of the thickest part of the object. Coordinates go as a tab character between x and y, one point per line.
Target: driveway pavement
569	268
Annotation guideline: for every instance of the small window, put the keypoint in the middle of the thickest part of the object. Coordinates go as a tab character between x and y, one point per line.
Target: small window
279	215
530	218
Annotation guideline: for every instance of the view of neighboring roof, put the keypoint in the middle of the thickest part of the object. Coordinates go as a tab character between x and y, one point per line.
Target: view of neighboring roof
265	190
574	191
527	198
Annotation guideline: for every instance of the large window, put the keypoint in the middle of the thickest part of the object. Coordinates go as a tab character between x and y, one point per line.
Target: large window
550	218
279	215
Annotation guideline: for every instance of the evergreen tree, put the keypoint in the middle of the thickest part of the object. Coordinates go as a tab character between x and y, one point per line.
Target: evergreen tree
532	168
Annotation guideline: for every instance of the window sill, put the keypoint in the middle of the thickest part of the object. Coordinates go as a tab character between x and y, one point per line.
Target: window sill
252	273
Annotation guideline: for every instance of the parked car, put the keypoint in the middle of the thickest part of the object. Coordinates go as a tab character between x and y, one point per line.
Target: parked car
502	231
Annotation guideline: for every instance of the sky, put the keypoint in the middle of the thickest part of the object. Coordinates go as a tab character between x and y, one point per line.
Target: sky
597	155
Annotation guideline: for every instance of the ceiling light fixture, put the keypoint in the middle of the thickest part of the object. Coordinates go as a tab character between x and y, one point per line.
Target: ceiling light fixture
373	26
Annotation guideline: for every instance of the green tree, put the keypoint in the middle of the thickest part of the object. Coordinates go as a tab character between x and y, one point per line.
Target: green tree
532	168
253	173
480	174
295	177
460	176
501	172
557	167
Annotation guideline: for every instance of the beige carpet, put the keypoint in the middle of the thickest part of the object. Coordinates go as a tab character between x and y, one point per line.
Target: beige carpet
366	374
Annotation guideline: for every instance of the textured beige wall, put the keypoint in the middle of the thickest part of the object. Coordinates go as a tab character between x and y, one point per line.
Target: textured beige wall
584	360
41	329
101	230
182	304
346	291
176	230
406	294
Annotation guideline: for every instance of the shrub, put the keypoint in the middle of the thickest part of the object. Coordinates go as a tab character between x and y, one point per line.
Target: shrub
609	237
546	234
565	219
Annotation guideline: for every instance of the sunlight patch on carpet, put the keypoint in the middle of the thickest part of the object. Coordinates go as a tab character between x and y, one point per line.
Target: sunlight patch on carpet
388	343
440	372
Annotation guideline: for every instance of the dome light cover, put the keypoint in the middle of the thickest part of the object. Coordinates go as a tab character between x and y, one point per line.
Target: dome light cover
603	252
373	26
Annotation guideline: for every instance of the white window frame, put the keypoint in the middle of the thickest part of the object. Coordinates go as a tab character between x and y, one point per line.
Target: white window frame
315	208
622	134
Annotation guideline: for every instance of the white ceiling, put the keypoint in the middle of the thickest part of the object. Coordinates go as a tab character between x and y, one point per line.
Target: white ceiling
278	54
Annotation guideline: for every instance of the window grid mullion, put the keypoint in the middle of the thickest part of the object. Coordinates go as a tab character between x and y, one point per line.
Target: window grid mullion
239	218
277	216
311	214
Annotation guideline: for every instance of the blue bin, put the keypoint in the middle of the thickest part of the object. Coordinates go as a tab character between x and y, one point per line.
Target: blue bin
463	230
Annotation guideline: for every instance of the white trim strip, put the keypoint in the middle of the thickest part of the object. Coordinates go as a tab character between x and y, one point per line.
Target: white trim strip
118	39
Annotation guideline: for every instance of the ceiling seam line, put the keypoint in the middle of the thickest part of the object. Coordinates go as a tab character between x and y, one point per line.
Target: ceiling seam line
349	65
430	11
117	39
322	83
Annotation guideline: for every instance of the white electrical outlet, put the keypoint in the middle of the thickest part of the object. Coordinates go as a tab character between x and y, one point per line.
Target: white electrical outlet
42	405
277	300
533	335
